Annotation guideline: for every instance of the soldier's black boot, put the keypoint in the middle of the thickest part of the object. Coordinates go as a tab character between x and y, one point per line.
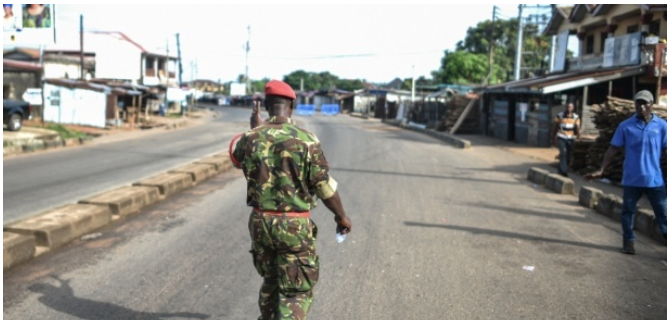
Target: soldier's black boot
628	247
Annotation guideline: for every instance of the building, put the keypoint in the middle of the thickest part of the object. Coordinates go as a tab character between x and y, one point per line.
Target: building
622	49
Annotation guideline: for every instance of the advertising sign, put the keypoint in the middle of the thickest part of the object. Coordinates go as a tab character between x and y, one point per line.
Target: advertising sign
28	24
238	89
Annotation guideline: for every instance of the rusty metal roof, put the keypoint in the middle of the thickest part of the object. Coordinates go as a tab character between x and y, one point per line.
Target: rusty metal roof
88	85
20	65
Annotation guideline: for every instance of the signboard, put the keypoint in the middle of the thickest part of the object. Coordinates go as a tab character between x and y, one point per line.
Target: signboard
26	24
561	51
622	51
522	107
238	89
176	94
33	96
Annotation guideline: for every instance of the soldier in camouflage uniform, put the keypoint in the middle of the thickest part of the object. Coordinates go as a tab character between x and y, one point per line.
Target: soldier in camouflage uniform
285	167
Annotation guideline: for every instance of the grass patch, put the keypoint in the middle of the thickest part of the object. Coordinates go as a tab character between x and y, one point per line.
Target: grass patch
175	115
66	133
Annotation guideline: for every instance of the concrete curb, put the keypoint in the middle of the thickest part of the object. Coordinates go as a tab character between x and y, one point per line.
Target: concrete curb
42	144
537	176
60	226
608	205
26	239
125	200
445	137
589	197
559	184
168	183
199	172
16	248
221	163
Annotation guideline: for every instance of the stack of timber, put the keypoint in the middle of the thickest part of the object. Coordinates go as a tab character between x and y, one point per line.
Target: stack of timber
456	106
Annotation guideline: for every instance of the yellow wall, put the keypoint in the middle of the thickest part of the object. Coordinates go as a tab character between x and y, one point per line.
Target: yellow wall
623	25
663	24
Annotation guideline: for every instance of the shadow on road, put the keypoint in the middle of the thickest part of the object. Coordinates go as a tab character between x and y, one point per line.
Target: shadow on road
513	235
62	298
527	212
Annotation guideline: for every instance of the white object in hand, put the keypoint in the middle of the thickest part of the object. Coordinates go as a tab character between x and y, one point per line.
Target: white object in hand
340	237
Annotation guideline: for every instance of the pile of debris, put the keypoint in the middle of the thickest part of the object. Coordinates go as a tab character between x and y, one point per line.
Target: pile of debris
588	155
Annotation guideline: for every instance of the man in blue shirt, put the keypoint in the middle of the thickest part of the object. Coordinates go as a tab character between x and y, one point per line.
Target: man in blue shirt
643	137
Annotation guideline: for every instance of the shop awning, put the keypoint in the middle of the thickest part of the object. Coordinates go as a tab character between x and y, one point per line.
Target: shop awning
591	79
565	81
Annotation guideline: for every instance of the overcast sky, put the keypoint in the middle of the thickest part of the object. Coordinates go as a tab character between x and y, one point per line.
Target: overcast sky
376	42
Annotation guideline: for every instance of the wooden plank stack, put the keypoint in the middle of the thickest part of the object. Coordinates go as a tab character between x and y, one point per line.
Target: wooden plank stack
607	117
456	106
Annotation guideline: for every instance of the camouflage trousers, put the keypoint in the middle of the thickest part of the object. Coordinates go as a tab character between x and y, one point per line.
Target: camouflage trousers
283	251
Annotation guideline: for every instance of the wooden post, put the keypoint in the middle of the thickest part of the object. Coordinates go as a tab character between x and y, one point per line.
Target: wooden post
584	104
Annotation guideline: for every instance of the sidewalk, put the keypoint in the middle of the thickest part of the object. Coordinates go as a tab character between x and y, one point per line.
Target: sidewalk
33	138
547	157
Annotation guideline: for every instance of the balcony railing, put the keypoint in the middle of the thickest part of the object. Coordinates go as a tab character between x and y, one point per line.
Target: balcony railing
655	58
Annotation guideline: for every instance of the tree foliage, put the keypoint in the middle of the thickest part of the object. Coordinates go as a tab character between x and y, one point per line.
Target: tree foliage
466	63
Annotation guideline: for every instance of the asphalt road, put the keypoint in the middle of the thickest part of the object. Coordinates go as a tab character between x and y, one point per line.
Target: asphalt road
35	183
438	233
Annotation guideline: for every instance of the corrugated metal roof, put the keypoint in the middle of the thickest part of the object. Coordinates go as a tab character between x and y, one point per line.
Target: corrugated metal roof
87	85
564	81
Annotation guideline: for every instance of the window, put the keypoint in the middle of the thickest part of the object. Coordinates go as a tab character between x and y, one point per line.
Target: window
633	28
654	27
590	44
603	40
149	63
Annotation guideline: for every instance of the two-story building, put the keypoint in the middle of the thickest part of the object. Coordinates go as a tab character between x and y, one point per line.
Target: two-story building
622	49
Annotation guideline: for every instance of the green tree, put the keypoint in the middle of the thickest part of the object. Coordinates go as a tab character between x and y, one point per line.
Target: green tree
421	81
320	81
462	67
477	42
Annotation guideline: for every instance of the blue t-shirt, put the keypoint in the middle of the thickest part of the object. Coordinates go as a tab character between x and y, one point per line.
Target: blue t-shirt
643	144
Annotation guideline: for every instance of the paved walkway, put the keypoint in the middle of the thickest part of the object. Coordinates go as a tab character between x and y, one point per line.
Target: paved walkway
547	157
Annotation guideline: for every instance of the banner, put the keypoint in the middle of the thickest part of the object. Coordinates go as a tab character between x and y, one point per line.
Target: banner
561	51
29	24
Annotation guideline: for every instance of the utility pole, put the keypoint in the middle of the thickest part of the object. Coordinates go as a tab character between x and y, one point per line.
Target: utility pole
247	53
81	46
492	42
519	44
179	61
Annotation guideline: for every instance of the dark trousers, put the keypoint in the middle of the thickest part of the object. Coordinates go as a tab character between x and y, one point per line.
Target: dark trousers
565	146
658	199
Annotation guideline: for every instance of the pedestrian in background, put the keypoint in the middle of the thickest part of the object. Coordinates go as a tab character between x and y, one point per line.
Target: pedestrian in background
566	130
643	137
285	167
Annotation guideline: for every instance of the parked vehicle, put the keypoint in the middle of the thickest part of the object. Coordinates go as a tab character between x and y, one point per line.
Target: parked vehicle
14	112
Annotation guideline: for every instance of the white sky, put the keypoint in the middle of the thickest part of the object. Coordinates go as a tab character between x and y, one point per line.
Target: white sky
376	42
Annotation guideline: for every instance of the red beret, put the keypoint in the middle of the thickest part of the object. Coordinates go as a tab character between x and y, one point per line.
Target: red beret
279	88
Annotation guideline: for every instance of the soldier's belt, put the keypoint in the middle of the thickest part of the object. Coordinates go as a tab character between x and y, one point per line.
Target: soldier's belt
290	214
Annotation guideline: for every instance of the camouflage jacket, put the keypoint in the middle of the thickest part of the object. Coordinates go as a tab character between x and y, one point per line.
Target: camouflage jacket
284	166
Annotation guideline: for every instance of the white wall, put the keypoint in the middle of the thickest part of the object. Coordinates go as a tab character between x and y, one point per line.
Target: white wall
59	70
75	106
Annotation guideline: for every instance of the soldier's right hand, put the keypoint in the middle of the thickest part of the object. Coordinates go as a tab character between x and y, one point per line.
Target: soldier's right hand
343	225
